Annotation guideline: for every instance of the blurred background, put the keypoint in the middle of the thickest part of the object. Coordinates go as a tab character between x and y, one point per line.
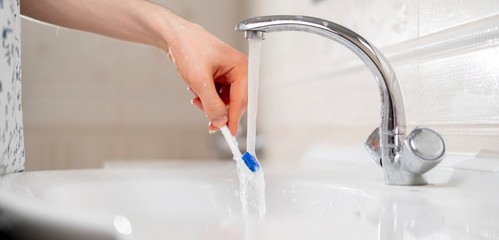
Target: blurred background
90	99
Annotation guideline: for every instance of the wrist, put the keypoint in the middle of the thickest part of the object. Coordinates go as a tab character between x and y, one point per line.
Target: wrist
167	28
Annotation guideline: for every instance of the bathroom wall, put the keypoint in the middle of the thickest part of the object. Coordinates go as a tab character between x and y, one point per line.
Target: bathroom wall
445	53
88	98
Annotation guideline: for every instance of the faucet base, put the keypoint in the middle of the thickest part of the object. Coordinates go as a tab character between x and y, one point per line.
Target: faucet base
403	178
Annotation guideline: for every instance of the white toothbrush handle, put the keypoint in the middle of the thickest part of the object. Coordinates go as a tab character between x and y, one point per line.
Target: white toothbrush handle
231	141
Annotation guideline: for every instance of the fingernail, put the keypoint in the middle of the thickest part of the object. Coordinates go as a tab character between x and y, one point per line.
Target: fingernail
212	132
220	121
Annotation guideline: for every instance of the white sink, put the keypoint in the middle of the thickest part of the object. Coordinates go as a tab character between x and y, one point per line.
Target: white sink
198	200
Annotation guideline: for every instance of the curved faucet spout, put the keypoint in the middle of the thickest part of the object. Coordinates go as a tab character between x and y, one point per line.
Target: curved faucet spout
386	142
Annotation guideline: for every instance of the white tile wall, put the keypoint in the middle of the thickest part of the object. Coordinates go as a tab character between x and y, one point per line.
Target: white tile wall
445	54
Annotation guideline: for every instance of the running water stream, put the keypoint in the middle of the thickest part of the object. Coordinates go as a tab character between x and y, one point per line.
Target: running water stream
253	77
252	184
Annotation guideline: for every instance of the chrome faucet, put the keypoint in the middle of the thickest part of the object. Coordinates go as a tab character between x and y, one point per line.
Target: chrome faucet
404	159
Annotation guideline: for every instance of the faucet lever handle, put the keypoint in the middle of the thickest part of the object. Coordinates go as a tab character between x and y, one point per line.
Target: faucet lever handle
423	149
372	146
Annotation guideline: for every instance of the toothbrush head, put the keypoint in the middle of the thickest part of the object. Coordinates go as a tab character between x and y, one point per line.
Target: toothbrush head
251	161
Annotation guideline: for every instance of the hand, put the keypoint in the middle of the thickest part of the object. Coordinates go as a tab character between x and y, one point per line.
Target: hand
215	73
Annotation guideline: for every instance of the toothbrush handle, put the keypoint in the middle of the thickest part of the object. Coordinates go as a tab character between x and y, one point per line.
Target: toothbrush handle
231	141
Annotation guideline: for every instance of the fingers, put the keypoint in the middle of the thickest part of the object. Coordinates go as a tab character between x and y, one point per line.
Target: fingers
238	77
211	103
234	97
237	104
223	91
196	102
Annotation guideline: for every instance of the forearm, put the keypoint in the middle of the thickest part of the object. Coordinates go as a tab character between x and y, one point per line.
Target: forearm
131	20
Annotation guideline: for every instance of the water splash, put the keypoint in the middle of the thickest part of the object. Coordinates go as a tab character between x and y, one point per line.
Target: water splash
251	190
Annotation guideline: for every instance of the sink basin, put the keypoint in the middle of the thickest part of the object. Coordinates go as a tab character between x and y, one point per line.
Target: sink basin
199	200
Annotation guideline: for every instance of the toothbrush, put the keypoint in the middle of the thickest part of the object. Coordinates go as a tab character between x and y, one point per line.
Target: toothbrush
249	160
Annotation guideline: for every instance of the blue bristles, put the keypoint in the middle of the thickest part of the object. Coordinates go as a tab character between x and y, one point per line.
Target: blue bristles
251	161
